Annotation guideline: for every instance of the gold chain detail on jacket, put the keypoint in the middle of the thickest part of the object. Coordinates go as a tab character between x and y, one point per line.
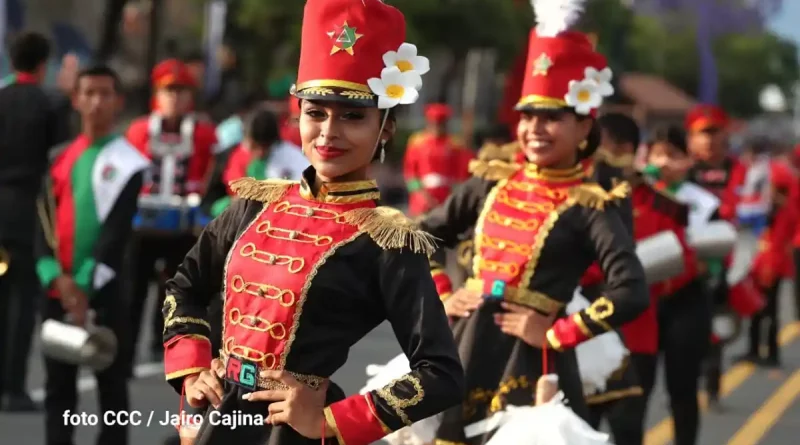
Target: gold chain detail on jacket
170	320
285	297
505	245
267	360
400	405
538	189
493	397
497	266
266	228
530	225
304	211
525	297
294	264
256	323
525	206
538	244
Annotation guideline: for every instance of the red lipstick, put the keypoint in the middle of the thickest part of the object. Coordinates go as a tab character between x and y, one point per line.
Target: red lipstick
327	152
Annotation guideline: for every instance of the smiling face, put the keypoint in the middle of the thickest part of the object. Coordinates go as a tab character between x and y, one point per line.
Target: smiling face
550	138
340	141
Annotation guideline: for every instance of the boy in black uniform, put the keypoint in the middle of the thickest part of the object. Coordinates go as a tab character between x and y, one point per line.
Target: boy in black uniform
85	213
31	126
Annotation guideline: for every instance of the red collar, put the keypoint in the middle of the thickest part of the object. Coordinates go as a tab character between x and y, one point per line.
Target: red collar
26	78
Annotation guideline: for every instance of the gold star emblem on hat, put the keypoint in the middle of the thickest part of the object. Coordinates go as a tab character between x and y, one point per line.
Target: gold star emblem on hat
541	65
344	38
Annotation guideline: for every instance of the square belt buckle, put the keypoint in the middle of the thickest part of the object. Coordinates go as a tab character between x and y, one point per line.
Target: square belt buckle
242	372
497	291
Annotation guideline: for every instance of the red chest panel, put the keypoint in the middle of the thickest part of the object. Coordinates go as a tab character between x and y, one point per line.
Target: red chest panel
516	219
270	269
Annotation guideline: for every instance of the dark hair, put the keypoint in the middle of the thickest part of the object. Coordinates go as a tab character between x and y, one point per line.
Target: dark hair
592	140
194	57
760	145
100	71
496	131
29	51
262	128
670	134
620	128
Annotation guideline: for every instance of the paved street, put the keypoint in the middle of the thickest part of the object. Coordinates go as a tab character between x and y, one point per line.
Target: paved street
761	407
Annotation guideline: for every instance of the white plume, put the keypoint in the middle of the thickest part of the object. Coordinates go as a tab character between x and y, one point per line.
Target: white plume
556	16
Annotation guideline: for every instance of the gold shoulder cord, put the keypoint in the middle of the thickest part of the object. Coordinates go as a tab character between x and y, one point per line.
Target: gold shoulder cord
47	217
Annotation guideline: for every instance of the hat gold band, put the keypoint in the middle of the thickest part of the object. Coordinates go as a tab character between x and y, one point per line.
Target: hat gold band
331	83
536	101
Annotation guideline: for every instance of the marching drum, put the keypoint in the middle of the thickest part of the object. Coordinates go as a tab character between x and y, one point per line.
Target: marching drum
169	214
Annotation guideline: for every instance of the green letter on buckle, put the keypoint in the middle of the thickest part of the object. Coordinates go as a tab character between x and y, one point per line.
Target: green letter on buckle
498	288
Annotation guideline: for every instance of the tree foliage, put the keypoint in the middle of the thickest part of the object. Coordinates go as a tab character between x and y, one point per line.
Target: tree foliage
656	37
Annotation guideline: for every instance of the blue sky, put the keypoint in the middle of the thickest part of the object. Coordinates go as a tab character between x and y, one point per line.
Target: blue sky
787	23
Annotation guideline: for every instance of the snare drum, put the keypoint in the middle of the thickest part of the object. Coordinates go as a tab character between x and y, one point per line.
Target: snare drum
165	214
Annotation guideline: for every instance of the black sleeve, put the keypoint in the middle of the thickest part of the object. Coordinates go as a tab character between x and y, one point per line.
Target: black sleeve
626	293
412	305
199	277
458	214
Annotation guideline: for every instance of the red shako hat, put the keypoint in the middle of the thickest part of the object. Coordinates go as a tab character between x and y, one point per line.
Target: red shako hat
563	69
172	72
438	112
354	51
704	116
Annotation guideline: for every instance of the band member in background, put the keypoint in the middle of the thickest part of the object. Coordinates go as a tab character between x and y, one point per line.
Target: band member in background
653	212
434	162
684	314
181	148
289	325
539	223
31	127
262	155
773	264
716	170
86	212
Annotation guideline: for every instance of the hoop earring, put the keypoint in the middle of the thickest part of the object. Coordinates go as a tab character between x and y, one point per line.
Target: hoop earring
383	150
582	146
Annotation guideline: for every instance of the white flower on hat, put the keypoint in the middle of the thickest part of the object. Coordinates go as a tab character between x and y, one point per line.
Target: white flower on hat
583	96
602	78
406	59
395	87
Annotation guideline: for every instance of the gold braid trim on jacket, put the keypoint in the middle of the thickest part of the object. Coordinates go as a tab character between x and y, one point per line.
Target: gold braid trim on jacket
594	196
493	170
391	229
266	191
494	152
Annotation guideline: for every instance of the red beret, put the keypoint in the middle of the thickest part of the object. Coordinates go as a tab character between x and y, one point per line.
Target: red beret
172	72
438	112
704	116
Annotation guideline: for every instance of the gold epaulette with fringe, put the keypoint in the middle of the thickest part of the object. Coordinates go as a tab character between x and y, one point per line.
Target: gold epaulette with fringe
506	152
391	229
594	196
494	170
266	191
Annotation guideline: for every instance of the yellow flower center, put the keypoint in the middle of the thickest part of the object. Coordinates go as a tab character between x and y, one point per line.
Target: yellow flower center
404	65
395	91
584	95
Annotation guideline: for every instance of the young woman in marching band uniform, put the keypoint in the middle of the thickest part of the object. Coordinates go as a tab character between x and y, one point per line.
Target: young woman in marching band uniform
308	268
540	224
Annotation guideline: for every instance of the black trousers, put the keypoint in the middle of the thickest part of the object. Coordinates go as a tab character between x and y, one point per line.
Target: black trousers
112	383
684	332
143	253
20	295
768	316
713	369
626	416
